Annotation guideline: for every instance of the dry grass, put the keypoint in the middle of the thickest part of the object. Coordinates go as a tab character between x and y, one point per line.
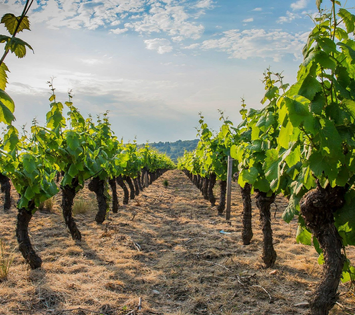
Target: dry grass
6	259
166	248
47	205
83	206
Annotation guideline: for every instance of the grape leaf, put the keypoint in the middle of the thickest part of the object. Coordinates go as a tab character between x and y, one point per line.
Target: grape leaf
18	47
10	21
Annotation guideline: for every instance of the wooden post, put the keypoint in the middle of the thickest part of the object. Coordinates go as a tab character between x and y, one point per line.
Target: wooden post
229	187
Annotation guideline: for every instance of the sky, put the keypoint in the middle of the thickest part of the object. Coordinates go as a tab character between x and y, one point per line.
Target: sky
155	64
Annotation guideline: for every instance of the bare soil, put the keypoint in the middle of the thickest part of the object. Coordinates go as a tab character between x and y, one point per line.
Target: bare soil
166	252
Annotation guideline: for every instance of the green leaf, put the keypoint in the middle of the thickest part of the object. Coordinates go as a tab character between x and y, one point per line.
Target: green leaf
348	19
10	21
319	164
18	47
249	175
345	219
262	184
310	87
341	34
350	106
73	170
298	110
294	156
285	135
3	76
270	94
303	236
29	193
7	107
11	139
6	115
7	100
255	133
325	61
4	39
271	166
29	163
327	45
292	209
330	138
349	50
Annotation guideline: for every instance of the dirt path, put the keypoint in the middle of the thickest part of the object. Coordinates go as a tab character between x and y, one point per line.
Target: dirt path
165	248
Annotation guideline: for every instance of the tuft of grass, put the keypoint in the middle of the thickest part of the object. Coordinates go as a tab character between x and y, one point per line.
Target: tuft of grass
165	183
83	206
47	205
6	259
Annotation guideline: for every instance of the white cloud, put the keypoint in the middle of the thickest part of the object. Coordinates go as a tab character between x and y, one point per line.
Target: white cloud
193	46
288	18
299	5
253	43
257	9
204	4
172	20
119	30
161	45
92	61
248	20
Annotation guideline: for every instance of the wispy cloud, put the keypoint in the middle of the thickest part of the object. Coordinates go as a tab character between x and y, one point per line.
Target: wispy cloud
161	45
204	4
257	9
299	5
248	20
288	18
254	43
192	46
174	18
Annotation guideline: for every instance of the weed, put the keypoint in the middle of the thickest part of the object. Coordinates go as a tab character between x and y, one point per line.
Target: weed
6	259
82	206
47	205
165	183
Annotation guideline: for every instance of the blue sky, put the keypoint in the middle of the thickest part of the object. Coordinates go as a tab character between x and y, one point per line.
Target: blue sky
155	64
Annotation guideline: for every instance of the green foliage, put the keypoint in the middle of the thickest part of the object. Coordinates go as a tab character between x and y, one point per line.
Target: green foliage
304	134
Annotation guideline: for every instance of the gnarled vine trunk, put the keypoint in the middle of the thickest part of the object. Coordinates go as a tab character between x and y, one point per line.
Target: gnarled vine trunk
130	185
136	186
263	202
68	195
317	209
211	196
222	197
23	219
121	183
247	232
97	185
204	190
115	203
139	181
144	178
6	189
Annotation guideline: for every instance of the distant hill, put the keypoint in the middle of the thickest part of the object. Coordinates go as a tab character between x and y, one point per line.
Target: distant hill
175	149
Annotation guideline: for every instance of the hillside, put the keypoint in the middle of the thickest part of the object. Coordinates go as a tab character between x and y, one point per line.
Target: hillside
175	149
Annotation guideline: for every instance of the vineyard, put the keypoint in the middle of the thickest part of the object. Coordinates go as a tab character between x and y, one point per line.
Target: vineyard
164	247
